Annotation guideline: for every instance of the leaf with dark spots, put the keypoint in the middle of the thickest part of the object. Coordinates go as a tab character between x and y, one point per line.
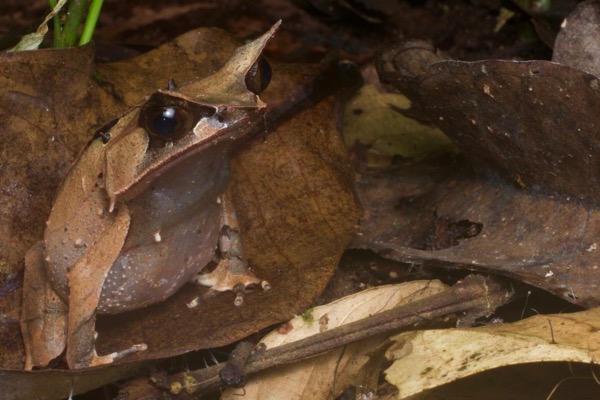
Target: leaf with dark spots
530	130
525	122
446	232
532	238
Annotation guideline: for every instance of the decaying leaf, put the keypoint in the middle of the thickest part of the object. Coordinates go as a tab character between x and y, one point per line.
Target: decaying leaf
578	42
332	373
529	237
33	40
530	123
423	360
529	129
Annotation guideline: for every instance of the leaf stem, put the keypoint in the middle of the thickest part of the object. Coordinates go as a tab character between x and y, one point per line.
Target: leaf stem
58	33
72	21
90	21
66	27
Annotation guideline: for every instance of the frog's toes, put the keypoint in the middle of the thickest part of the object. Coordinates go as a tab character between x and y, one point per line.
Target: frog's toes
231	274
109	358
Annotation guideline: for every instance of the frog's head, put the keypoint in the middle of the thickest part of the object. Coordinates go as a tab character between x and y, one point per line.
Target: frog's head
181	122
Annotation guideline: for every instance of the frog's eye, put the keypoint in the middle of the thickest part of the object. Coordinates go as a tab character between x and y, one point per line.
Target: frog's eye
258	76
166	122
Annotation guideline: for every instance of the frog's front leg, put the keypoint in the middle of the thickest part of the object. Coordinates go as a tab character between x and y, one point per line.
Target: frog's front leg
231	273
86	280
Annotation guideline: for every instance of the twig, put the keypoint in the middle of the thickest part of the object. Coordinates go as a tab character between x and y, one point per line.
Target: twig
475	295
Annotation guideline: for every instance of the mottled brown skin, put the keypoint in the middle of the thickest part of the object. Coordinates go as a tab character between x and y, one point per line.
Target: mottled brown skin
138	216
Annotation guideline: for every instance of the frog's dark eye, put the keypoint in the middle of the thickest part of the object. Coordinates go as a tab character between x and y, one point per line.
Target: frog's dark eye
258	76
166	122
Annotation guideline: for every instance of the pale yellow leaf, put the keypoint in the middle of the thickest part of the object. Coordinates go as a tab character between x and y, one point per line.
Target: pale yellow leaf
427	359
320	377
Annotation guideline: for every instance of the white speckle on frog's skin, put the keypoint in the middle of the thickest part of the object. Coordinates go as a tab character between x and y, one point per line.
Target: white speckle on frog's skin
157	237
79	243
160	283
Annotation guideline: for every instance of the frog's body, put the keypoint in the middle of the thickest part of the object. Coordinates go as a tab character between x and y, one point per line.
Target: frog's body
181	226
142	211
173	230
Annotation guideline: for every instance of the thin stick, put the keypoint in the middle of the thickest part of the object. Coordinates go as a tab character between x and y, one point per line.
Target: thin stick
475	295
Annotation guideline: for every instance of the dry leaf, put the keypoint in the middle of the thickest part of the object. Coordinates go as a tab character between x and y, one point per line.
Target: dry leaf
427	359
33	40
332	373
536	239
532	125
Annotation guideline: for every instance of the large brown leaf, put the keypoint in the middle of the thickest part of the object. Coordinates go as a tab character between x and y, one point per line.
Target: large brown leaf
530	129
529	237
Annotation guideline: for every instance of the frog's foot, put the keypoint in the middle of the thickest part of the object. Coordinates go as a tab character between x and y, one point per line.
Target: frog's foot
112	357
232	271
231	274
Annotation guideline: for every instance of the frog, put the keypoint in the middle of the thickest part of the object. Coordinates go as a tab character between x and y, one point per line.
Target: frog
143	210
